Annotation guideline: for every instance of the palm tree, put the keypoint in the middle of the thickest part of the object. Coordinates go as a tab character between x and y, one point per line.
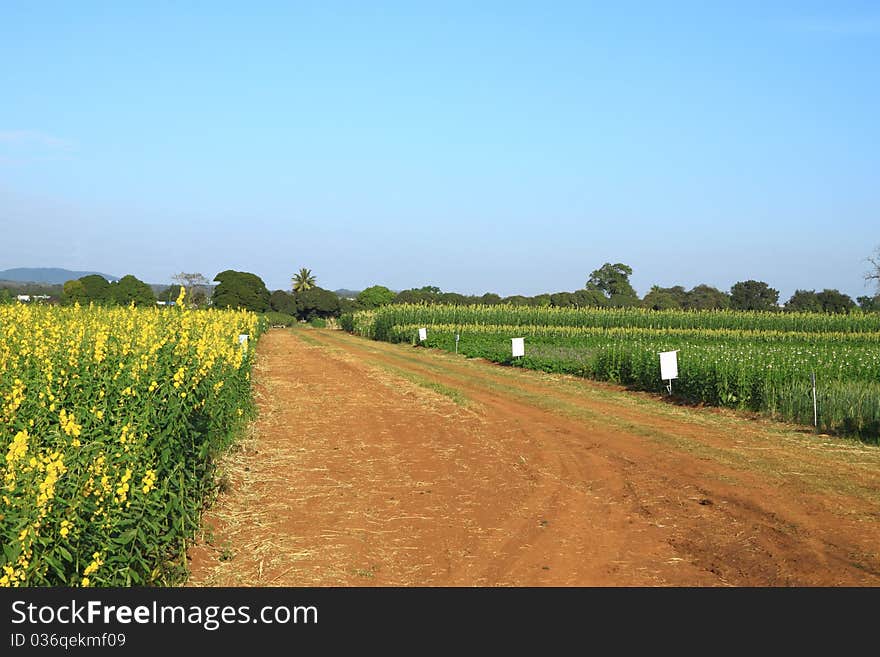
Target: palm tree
303	280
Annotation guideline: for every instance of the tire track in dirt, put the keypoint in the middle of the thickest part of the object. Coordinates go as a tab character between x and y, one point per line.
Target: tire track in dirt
357	476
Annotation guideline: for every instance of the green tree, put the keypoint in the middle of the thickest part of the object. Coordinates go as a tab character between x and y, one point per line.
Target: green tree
539	301
74	292
316	302
490	299
453	298
282	302
348	306
96	288
753	295
804	301
239	289
303	280
612	281
665	298
5	296
426	294
170	294
869	304
563	300
129	289
835	301
589	299
412	296
706	297
375	296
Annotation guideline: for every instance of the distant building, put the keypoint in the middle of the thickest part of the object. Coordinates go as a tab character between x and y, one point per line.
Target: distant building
24	298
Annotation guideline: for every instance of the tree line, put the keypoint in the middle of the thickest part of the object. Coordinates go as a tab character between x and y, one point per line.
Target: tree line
610	286
607	286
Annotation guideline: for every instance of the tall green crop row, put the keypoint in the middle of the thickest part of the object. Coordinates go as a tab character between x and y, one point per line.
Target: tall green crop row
427	314
757	361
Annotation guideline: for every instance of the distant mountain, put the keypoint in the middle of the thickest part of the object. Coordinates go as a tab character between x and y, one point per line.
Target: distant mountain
346	294
47	275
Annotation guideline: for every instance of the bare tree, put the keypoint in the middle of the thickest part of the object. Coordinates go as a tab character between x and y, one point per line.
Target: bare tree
873	274
195	286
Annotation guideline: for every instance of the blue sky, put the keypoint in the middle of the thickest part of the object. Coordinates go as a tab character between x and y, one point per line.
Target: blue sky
477	146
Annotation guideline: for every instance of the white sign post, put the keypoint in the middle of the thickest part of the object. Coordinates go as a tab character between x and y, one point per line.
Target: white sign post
518	347
423	334
669	367
815	406
242	338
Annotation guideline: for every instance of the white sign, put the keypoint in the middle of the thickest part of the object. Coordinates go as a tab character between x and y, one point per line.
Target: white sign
518	346
242	338
423	334
669	365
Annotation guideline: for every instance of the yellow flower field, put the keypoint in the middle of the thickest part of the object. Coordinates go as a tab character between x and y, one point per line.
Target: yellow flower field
110	419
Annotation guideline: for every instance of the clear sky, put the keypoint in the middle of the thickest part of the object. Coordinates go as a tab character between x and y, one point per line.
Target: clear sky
477	146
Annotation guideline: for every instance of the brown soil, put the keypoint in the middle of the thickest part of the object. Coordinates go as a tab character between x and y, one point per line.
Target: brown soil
376	464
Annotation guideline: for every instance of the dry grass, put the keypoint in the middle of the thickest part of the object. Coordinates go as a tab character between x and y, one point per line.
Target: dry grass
240	516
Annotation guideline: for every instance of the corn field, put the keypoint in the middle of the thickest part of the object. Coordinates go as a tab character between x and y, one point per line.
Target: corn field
756	361
109	423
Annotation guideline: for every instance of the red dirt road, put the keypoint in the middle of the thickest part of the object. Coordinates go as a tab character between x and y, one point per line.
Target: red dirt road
376	464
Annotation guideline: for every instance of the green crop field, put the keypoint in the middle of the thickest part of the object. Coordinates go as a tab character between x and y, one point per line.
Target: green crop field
757	361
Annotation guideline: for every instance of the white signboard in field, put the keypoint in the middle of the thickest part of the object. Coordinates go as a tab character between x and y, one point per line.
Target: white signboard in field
242	338
669	365
423	334
518	346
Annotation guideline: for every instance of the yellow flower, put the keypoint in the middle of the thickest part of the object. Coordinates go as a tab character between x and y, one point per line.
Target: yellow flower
65	528
17	448
54	464
92	568
149	481
68	423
